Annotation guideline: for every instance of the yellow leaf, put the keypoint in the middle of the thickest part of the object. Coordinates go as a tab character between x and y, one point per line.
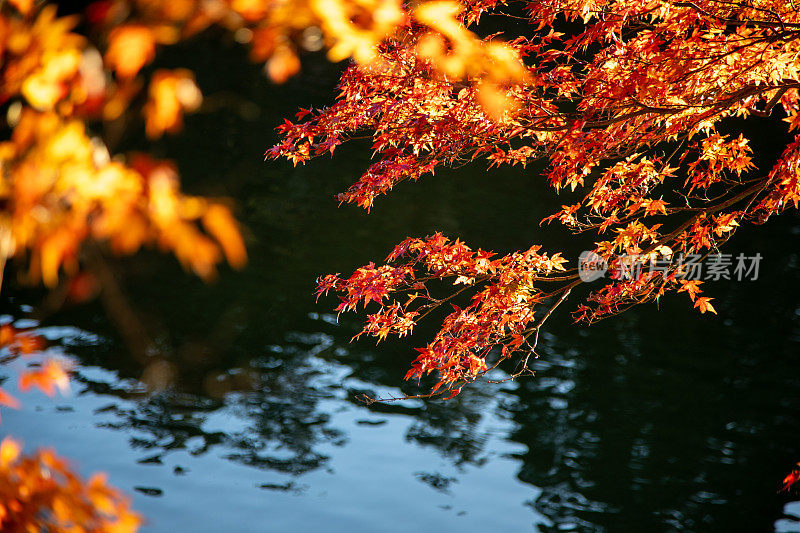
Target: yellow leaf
171	93
704	304
219	222
283	64
42	92
130	48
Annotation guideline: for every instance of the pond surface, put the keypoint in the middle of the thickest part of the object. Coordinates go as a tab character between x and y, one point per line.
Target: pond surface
658	420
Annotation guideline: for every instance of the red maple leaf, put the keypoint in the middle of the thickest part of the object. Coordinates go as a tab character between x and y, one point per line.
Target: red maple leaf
791	479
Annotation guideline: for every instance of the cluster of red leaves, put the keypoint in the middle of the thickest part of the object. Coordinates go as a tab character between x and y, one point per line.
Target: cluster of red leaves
624	109
501	314
420	120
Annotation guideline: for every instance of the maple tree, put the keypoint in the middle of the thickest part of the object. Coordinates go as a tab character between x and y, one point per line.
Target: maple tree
623	99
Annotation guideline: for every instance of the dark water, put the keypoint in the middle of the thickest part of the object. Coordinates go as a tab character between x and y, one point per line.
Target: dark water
659	420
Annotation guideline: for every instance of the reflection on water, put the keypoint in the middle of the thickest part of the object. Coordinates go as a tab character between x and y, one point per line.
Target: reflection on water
791	520
622	429
658	420
298	433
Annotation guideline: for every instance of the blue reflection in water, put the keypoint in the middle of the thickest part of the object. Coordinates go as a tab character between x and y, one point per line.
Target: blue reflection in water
294	452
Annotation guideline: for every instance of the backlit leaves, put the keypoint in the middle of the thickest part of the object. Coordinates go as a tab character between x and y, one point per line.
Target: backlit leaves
59	81
171	94
624	113
129	49
500	314
703	303
623	110
61	186
55	166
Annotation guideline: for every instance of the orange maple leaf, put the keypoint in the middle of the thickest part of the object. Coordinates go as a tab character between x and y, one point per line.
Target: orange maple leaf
7	334
129	49
46	378
704	304
8	400
692	287
283	64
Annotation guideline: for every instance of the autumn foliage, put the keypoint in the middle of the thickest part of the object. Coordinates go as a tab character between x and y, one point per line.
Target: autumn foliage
623	100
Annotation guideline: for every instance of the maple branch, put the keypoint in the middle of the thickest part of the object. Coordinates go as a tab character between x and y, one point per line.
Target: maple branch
773	101
567	290
735	22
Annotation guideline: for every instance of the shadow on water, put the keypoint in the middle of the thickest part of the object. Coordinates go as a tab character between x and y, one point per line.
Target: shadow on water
657	420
